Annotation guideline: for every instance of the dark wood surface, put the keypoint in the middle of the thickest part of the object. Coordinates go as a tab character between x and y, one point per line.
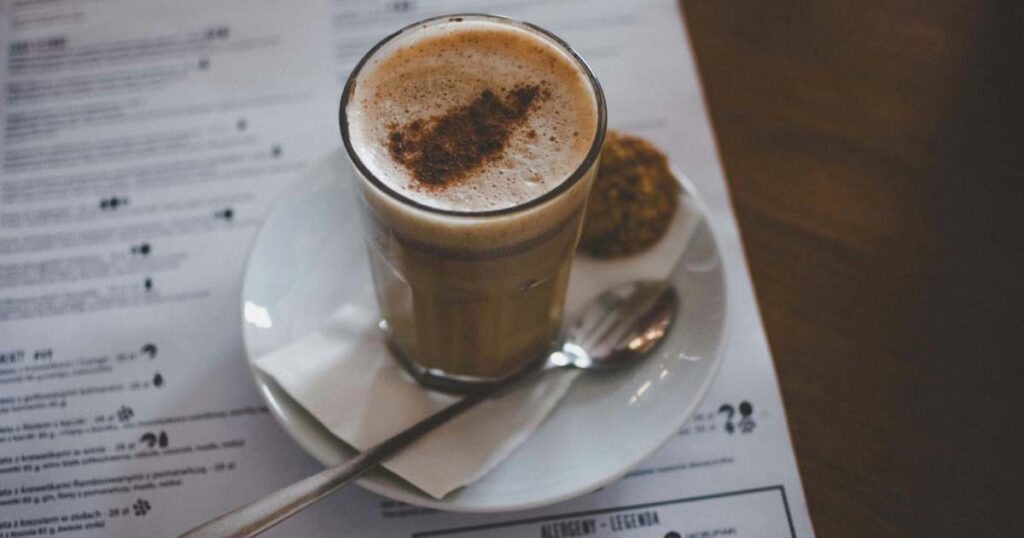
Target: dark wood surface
874	154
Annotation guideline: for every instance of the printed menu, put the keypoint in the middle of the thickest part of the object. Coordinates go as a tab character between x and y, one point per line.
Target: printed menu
143	143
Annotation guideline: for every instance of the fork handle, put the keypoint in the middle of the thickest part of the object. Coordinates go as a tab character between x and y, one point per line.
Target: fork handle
258	516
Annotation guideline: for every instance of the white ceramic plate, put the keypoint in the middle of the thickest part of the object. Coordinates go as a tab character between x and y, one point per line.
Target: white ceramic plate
309	260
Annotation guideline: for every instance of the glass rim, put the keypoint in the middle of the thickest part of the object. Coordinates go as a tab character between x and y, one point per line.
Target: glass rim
565	185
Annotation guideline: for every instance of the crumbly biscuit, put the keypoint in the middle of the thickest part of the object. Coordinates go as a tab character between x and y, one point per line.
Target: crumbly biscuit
632	201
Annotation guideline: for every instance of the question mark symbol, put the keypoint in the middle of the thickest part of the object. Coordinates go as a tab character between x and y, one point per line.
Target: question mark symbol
729	411
149	349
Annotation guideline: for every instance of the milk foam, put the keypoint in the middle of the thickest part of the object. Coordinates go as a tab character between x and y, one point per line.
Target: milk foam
448	65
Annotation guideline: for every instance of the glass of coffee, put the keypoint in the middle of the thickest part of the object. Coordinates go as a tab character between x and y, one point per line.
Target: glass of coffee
475	140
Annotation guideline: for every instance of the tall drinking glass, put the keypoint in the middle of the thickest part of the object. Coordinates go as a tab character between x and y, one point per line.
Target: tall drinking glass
469	295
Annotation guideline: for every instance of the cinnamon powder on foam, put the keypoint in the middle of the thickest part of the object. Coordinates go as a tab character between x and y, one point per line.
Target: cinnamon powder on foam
450	146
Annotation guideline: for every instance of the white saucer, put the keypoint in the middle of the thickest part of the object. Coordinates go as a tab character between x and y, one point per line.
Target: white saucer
309	260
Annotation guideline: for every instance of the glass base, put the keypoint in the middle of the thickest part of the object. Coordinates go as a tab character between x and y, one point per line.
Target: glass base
443	381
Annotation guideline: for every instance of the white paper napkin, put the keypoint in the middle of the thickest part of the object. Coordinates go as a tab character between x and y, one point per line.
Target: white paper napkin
344	376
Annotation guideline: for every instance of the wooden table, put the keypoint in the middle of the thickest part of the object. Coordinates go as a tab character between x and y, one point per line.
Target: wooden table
874	155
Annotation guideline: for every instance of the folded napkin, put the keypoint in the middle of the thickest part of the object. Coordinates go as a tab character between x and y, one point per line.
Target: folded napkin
344	376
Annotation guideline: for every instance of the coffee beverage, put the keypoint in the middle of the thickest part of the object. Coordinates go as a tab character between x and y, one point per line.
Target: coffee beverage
476	142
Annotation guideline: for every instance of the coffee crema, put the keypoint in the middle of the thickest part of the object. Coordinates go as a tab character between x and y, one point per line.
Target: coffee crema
472	116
